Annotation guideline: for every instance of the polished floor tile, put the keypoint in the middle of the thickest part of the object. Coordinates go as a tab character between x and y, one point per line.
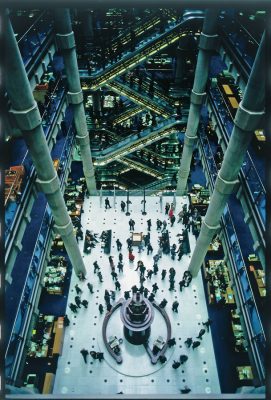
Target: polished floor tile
136	375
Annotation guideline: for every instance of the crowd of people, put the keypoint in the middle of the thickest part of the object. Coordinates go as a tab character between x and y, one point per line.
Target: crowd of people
146	272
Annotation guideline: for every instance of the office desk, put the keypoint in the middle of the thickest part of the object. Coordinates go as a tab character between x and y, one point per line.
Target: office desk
234	103
227	89
48	383
59	336
244	373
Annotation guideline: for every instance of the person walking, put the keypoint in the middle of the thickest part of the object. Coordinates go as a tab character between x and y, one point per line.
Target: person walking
172	285
149	249
93	354
188	342
162	359
151	297
149	224
131	256
117	285
77	289
107	203
100	356
195	344
176	364
120	257
90	287
155	268
120	267
113	295
119	245
201	333
183	358
77	301
163	275
100	276
175	306
155	288
172	220
146	292
158	224
101	308
114	275
163	303
84	303
96	267
127	294
171	342
84	353
207	324
149	273
167	207
73	307
182	284
164	226
185	390
122	206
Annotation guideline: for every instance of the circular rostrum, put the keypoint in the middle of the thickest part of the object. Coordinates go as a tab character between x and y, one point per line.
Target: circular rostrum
137	315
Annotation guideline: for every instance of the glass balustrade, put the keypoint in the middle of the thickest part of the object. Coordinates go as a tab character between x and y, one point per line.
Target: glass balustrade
249	170
33	39
34	270
247	293
48	120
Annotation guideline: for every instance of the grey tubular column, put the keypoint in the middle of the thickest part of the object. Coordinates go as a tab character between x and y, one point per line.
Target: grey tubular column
247	119
180	65
208	43
27	116
66	43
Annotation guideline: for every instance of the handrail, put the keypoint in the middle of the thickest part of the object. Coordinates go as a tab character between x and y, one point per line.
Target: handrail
34	23
151	47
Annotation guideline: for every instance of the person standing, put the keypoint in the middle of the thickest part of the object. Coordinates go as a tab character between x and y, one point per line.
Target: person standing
122	206
175	306
84	353
107	203
172	220
119	245
164	272
149	249
131	256
66	320
164	226
90	287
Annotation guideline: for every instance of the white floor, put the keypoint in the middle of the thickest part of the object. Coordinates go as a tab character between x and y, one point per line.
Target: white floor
136	375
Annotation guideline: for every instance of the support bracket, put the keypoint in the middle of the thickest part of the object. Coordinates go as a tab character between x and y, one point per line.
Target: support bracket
75	98
208	42
27	119
248	120
65	41
49	187
197	98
